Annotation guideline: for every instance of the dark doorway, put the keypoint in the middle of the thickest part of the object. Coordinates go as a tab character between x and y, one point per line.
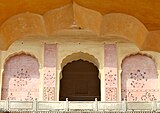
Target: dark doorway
80	82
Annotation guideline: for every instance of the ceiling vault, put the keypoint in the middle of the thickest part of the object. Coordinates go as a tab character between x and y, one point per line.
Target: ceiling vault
138	23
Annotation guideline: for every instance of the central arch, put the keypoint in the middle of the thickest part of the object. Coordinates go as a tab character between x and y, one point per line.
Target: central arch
80	81
80	78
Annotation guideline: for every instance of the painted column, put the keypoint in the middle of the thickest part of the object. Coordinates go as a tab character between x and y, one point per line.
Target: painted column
49	77
110	63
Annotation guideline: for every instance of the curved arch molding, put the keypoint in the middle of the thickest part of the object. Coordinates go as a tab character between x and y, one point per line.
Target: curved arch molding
78	56
30	24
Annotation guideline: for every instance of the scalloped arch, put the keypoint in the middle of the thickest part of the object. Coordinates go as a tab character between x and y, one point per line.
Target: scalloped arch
79	55
138	53
19	53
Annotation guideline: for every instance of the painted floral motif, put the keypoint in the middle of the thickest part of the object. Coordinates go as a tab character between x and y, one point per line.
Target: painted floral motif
110	78
111	94
148	97
49	78
11	97
131	97
138	79
49	84
48	93
21	78
29	97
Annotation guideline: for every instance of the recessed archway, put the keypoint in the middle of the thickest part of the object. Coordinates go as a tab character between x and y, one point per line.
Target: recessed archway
139	78
80	81
21	78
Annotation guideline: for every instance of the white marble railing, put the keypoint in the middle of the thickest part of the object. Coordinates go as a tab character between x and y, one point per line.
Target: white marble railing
6	105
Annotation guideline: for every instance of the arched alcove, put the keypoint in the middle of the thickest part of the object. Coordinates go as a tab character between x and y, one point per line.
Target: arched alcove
20	78
139	78
80	81
77	56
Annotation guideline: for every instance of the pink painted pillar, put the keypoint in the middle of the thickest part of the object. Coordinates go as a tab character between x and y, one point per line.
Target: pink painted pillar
49	88
110	63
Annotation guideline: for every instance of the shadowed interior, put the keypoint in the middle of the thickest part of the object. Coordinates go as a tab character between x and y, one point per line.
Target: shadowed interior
80	82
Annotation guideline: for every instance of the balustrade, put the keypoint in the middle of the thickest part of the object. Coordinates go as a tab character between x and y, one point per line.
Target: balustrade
77	106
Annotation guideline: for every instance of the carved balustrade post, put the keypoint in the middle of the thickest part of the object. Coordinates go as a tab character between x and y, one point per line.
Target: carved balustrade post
95	105
124	105
7	105
35	106
66	105
154	106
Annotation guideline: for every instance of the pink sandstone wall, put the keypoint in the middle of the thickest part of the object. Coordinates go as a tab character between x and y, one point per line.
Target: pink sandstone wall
110	72
139	79
49	72
21	78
